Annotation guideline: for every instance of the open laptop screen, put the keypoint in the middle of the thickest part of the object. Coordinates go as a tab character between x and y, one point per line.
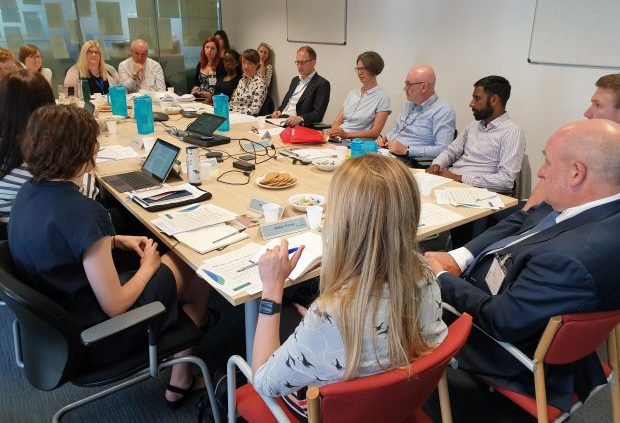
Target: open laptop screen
205	124
160	159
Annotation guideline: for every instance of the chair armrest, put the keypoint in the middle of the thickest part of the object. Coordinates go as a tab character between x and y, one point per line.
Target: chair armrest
511	349
121	322
231	381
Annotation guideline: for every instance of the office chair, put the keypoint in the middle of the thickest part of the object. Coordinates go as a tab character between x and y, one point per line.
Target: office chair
566	339
395	395
424	162
51	347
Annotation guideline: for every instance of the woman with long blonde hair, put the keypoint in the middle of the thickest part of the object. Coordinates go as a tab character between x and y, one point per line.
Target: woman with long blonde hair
91	65
379	305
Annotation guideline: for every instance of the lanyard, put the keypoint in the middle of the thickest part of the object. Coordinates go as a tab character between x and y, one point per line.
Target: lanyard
415	117
98	82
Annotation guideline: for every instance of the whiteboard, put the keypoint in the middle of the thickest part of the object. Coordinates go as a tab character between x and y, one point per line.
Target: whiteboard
576	32
316	21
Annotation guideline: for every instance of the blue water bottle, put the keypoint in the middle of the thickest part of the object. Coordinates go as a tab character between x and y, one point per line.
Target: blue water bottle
220	106
118	100
370	146
357	148
143	107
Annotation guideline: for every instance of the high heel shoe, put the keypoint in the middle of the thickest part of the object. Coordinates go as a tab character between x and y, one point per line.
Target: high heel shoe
185	393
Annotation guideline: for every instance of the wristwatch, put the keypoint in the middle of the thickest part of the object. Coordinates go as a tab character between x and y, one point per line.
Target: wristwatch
269	307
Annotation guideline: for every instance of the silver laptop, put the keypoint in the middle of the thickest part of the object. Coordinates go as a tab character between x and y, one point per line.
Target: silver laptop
154	172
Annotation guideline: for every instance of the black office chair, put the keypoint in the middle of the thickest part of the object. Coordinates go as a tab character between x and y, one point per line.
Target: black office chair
268	106
52	349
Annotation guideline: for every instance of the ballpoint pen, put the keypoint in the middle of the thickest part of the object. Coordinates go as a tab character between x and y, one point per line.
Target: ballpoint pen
290	251
229	235
486	198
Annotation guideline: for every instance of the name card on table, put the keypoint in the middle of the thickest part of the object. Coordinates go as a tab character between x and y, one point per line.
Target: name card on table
284	227
256	205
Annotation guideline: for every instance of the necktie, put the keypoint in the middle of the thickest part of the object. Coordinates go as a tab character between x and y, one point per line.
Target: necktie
545	223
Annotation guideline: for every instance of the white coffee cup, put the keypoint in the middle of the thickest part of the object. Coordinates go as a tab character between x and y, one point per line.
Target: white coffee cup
341	152
314	215
170	89
111	124
206	167
271	212
164	105
261	122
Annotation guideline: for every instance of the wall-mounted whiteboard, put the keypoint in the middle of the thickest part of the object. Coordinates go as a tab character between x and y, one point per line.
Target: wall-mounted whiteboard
576	32
316	21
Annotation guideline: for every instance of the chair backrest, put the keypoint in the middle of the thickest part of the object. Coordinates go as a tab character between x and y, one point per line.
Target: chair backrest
523	180
395	395
579	335
49	336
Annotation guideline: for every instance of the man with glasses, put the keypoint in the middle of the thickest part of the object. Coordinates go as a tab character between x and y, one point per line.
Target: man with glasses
426	124
308	95
139	71
488	153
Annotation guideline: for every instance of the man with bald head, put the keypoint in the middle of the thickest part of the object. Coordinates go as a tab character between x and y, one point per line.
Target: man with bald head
139	72
426	124
555	258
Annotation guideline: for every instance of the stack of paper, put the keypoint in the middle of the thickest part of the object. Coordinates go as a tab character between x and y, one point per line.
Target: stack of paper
428	182
434	215
469	197
231	272
115	152
165	195
211	238
191	218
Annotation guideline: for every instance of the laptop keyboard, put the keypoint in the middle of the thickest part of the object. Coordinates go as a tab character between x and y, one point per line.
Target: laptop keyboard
138	180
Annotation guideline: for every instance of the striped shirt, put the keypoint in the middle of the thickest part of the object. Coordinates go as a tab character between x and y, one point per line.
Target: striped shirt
486	156
13	181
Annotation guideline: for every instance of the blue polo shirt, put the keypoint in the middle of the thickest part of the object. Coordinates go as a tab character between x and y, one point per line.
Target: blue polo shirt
360	110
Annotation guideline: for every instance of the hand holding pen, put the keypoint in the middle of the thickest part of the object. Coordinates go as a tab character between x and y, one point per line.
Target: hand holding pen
274	267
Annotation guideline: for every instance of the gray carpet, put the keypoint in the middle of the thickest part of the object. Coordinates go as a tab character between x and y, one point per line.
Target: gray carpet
141	403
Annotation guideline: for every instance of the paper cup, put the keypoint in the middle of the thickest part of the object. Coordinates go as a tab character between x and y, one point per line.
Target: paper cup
111	124
314	214
271	211
341	152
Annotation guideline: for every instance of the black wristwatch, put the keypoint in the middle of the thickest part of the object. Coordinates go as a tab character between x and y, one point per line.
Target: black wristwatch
269	307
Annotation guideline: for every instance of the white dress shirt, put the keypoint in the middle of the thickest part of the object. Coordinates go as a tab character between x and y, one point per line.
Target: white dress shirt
151	80
291	107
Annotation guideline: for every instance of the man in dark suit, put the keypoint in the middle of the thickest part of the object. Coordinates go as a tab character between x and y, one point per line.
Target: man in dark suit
308	95
559	260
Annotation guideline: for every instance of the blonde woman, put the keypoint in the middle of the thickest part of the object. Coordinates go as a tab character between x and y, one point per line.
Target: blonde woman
30	58
7	62
379	305
92	66
265	70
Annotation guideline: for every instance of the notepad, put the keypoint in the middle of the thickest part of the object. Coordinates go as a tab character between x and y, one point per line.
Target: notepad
310	257
211	238
192	217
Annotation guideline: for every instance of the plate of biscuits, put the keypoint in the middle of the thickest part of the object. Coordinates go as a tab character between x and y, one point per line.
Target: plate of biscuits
276	180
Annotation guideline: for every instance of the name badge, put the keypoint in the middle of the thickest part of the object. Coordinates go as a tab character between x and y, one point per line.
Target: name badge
284	227
256	205
496	274
212	80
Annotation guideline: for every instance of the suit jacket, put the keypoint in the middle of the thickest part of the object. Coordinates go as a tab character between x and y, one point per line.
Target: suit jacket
566	268
314	100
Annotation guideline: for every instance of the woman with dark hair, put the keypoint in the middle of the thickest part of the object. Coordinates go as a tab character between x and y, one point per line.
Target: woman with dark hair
21	93
250	94
228	84
222	41
365	110
209	70
30	58
62	244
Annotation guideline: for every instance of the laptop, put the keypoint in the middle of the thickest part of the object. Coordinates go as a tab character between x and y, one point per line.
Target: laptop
200	131
89	107
154	172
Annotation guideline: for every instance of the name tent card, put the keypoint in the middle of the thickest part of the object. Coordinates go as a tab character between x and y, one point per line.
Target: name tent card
256	205
284	227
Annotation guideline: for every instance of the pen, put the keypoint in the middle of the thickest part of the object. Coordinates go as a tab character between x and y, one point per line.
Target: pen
486	198
290	251
190	208
228	236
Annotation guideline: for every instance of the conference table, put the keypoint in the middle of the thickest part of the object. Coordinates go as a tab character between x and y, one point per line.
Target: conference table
236	198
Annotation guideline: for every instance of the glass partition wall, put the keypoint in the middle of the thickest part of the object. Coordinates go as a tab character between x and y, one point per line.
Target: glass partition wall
173	29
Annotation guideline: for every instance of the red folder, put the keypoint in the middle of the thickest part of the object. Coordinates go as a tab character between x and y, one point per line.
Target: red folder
301	135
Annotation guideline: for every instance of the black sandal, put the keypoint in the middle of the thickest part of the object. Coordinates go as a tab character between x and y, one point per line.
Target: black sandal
185	393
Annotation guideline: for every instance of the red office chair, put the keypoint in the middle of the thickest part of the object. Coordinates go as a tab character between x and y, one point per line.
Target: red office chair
568	338
395	396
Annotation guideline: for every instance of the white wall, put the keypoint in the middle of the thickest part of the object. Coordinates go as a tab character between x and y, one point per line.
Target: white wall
463	40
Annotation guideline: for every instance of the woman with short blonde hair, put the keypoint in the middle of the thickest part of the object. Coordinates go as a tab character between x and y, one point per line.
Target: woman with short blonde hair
91	65
379	305
30	58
